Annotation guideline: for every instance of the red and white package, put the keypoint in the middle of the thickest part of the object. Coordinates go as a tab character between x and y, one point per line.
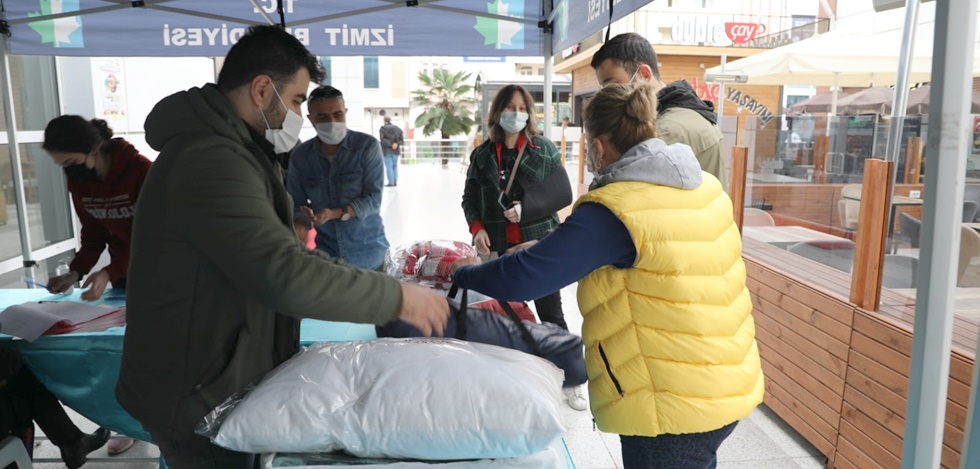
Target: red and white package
427	262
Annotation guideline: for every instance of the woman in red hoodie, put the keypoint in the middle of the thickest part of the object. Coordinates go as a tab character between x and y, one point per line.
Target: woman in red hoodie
105	175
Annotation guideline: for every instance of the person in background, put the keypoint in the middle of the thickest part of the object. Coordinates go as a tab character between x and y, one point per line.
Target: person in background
336	180
513	157
24	401
105	176
682	117
218	282
671	353
391	145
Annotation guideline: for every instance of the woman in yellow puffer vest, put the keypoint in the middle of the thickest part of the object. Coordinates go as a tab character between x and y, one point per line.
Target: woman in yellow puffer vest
670	341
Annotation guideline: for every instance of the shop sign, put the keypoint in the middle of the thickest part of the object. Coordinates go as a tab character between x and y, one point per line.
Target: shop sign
706	91
698	30
741	33
744	101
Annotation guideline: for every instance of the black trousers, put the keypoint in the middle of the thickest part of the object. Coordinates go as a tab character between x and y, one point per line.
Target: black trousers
193	451
688	451
549	309
24	400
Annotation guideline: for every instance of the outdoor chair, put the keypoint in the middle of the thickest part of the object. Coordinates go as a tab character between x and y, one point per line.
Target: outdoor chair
900	272
849	209
12	451
756	217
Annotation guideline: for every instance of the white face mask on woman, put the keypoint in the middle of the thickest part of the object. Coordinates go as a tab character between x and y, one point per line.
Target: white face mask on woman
513	122
331	133
287	137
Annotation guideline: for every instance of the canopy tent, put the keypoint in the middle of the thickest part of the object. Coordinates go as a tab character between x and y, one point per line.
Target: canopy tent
836	58
818	103
194	28
183	28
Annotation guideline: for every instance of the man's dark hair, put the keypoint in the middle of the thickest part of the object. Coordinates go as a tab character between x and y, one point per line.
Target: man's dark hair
628	50
387	120
324	92
267	50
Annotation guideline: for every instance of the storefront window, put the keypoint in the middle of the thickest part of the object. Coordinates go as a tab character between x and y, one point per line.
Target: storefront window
35	92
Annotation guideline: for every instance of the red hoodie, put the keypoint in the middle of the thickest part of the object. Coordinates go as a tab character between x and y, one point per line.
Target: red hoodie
106	209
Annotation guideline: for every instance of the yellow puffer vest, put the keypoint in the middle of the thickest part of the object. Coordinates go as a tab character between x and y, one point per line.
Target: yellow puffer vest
670	343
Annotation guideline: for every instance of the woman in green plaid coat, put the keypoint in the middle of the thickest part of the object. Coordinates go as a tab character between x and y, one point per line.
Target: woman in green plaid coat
496	215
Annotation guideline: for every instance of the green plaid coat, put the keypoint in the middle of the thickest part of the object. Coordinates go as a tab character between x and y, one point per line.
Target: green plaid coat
482	190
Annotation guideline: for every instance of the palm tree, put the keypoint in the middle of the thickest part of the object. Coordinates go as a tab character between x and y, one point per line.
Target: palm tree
447	98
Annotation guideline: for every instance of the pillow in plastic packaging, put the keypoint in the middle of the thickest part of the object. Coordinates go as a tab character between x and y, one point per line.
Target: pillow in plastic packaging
427	399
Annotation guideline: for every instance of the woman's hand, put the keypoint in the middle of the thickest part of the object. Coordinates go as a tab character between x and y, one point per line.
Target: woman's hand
97	282
62	283
521	247
513	214
482	242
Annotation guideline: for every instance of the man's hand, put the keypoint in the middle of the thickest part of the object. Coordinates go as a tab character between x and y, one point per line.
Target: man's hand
62	283
513	214
482	242
464	261
97	282
394	146
521	247
424	309
322	216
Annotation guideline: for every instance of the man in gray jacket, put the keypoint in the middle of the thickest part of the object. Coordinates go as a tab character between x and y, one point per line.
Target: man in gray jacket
218	282
682	117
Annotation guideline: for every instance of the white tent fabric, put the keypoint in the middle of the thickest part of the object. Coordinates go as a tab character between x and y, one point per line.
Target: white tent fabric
836	58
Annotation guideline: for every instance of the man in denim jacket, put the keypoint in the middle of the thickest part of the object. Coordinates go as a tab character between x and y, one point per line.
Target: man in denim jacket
336	180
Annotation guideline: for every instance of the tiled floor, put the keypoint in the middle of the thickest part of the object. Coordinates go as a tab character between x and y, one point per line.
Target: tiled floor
425	205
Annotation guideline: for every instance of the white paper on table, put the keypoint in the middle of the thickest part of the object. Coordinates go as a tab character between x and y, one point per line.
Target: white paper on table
30	320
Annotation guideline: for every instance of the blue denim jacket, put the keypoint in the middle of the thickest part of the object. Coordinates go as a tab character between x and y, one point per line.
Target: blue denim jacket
355	178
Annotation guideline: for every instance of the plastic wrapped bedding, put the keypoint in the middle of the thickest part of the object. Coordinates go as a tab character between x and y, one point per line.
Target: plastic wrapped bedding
424	399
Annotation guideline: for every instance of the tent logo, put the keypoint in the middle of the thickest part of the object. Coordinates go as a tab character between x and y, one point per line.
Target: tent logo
59	32
502	34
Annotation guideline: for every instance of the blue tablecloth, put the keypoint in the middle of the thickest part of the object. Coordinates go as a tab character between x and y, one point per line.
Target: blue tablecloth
81	369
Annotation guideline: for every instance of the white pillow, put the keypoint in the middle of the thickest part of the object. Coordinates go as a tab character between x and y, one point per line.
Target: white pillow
430	399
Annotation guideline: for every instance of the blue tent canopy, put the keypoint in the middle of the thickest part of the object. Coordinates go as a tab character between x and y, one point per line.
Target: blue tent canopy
327	27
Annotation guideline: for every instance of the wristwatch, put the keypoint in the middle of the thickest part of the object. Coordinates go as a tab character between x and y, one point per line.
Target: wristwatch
346	215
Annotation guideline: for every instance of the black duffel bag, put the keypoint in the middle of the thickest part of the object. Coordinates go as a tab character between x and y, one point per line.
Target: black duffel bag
547	341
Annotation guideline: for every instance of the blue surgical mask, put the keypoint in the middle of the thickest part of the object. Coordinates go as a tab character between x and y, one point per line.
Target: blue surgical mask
513	122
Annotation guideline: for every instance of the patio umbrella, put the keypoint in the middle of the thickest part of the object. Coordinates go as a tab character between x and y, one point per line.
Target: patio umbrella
818	103
919	102
869	101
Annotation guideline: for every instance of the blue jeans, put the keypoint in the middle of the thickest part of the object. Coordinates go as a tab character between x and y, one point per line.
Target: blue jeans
391	168
689	451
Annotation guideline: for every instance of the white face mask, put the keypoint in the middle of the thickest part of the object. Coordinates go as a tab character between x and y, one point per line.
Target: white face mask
331	133
287	137
513	122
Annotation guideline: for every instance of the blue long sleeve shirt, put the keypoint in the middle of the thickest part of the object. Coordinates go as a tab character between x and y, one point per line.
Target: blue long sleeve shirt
590	238
355	177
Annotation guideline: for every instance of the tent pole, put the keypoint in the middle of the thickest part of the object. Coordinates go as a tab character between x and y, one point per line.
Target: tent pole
262	12
14	148
721	89
548	52
949	142
899	103
833	104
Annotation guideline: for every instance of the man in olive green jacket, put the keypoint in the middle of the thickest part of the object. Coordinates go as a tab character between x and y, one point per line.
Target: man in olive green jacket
218	281
682	117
